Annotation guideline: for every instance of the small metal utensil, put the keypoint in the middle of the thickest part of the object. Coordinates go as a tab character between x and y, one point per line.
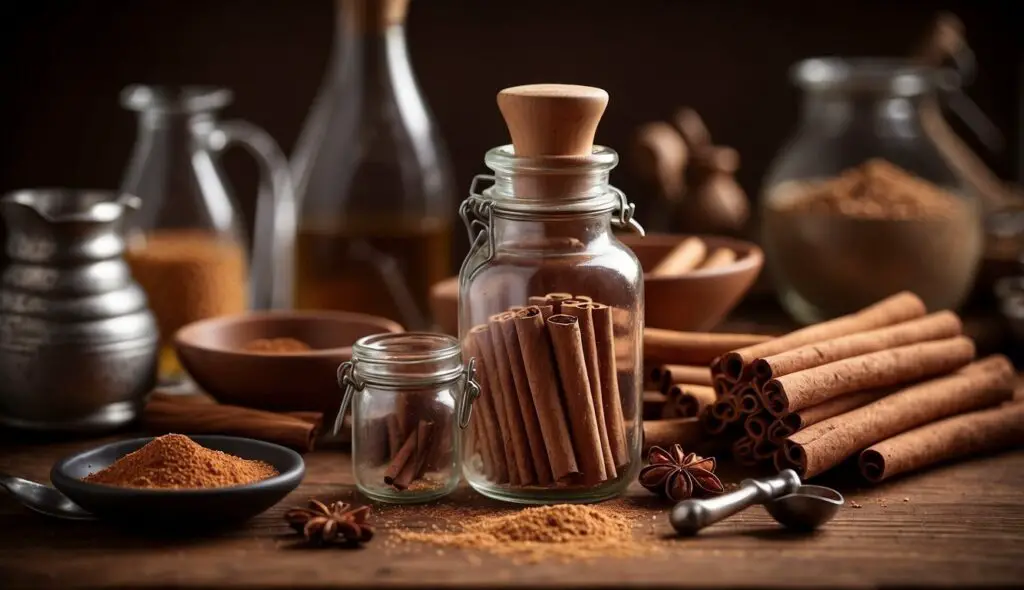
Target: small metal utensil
793	505
43	499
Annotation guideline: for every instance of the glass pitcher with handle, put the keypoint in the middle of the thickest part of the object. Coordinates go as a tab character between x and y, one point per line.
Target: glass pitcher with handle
187	244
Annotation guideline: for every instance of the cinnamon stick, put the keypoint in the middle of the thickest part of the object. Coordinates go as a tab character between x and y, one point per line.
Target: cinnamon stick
539	363
936	326
757	425
719	257
764	449
687	401
614	413
412	468
489	365
531	422
974	433
743	451
693	348
400	459
395	438
903	364
749	402
567	343
686	256
824	445
686	432
668	375
513	416
790	423
713	425
485	415
555	301
162	415
725	409
892	310
585	319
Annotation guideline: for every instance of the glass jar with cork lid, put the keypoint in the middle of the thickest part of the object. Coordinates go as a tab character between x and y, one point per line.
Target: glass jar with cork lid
860	204
551	305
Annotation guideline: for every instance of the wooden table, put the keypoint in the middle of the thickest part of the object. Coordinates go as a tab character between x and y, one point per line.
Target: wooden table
959	524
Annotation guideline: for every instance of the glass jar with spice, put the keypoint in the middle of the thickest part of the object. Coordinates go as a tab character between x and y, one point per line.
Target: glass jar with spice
860	204
411	396
551	305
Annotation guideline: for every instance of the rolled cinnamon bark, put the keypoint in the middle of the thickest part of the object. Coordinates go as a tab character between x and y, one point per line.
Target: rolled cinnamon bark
749	401
713	425
719	257
485	416
686	256
611	397
725	409
567	343
489	365
555	301
581	310
891	310
764	449
824	445
534	438
395	438
401	458
538	360
756	426
974	433
894	366
513	416
668	375
686	432
743	451
654	405
162	416
687	401
790	423
722	384
546	311
412	468
533	300
670	347
937	326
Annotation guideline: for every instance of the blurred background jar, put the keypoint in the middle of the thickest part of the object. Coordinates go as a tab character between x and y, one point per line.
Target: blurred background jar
373	177
860	203
187	244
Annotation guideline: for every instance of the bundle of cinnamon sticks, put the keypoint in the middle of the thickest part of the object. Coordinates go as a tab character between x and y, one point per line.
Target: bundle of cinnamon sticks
898	387
409	441
550	406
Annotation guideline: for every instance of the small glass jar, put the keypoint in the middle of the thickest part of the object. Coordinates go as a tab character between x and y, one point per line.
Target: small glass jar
411	396
551	305
861	204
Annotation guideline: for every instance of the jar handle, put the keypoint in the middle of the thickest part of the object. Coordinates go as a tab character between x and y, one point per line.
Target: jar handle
350	384
470	391
274	229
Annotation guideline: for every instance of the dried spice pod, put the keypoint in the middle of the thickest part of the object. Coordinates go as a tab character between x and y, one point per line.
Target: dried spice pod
676	475
337	523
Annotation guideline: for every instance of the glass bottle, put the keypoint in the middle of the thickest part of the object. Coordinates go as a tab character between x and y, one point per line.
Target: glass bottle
860	204
186	244
411	397
373	178
551	305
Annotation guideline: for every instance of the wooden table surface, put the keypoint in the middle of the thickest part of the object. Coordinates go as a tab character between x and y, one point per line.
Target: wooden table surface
958	524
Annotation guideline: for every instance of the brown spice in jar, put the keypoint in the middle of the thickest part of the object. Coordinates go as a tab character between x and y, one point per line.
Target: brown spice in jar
176	461
276	345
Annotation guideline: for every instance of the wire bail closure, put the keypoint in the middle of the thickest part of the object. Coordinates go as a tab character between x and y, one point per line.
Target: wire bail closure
347	381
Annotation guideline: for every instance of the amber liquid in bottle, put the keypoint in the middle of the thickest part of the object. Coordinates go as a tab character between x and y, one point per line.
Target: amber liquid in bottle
381	267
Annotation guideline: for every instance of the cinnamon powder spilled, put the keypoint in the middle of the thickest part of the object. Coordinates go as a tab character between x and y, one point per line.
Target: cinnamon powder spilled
564	531
276	345
176	461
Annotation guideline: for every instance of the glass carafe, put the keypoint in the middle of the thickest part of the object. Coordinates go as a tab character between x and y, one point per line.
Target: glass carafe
372	177
187	244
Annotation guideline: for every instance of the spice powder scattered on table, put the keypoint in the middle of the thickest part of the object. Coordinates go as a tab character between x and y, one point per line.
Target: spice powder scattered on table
176	461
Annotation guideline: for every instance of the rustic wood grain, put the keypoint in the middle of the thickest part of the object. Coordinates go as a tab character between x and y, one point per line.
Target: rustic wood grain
959	524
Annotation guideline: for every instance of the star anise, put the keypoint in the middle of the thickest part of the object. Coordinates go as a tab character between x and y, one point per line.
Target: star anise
337	523
677	475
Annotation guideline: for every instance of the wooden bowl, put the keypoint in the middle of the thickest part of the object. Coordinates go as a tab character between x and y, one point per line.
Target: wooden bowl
696	301
212	353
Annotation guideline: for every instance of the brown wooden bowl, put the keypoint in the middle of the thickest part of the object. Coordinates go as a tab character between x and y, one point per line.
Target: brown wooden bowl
696	301
212	353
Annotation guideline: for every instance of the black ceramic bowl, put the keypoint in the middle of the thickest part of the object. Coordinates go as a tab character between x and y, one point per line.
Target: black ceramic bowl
179	509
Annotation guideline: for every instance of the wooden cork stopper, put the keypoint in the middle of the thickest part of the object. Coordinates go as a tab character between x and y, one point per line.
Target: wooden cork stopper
368	16
552	119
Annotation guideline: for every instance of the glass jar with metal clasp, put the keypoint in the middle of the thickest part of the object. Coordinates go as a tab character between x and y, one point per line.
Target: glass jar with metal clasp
411	397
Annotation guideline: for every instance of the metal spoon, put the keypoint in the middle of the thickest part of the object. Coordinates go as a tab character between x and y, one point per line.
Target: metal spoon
793	505
43	499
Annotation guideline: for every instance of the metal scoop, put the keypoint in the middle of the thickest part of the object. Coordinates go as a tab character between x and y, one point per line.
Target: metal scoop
793	505
43	499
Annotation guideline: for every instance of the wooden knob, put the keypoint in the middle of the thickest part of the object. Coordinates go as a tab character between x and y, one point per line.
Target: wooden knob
691	126
552	119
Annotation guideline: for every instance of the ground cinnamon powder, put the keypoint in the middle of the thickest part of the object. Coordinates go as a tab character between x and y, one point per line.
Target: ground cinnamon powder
176	461
276	345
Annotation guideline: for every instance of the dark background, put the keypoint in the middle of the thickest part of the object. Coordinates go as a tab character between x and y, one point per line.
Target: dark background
64	63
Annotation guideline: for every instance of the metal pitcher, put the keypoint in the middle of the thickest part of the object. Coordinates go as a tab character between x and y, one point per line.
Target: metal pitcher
78	343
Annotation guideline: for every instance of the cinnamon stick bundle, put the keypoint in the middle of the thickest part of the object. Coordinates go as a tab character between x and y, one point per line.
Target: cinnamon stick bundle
824	445
686	432
757	425
513	416
903	364
687	401
163	414
937	326
614	413
668	375
488	365
582	311
749	402
567	342
790	423
693	348
490	432
974	433
892	310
